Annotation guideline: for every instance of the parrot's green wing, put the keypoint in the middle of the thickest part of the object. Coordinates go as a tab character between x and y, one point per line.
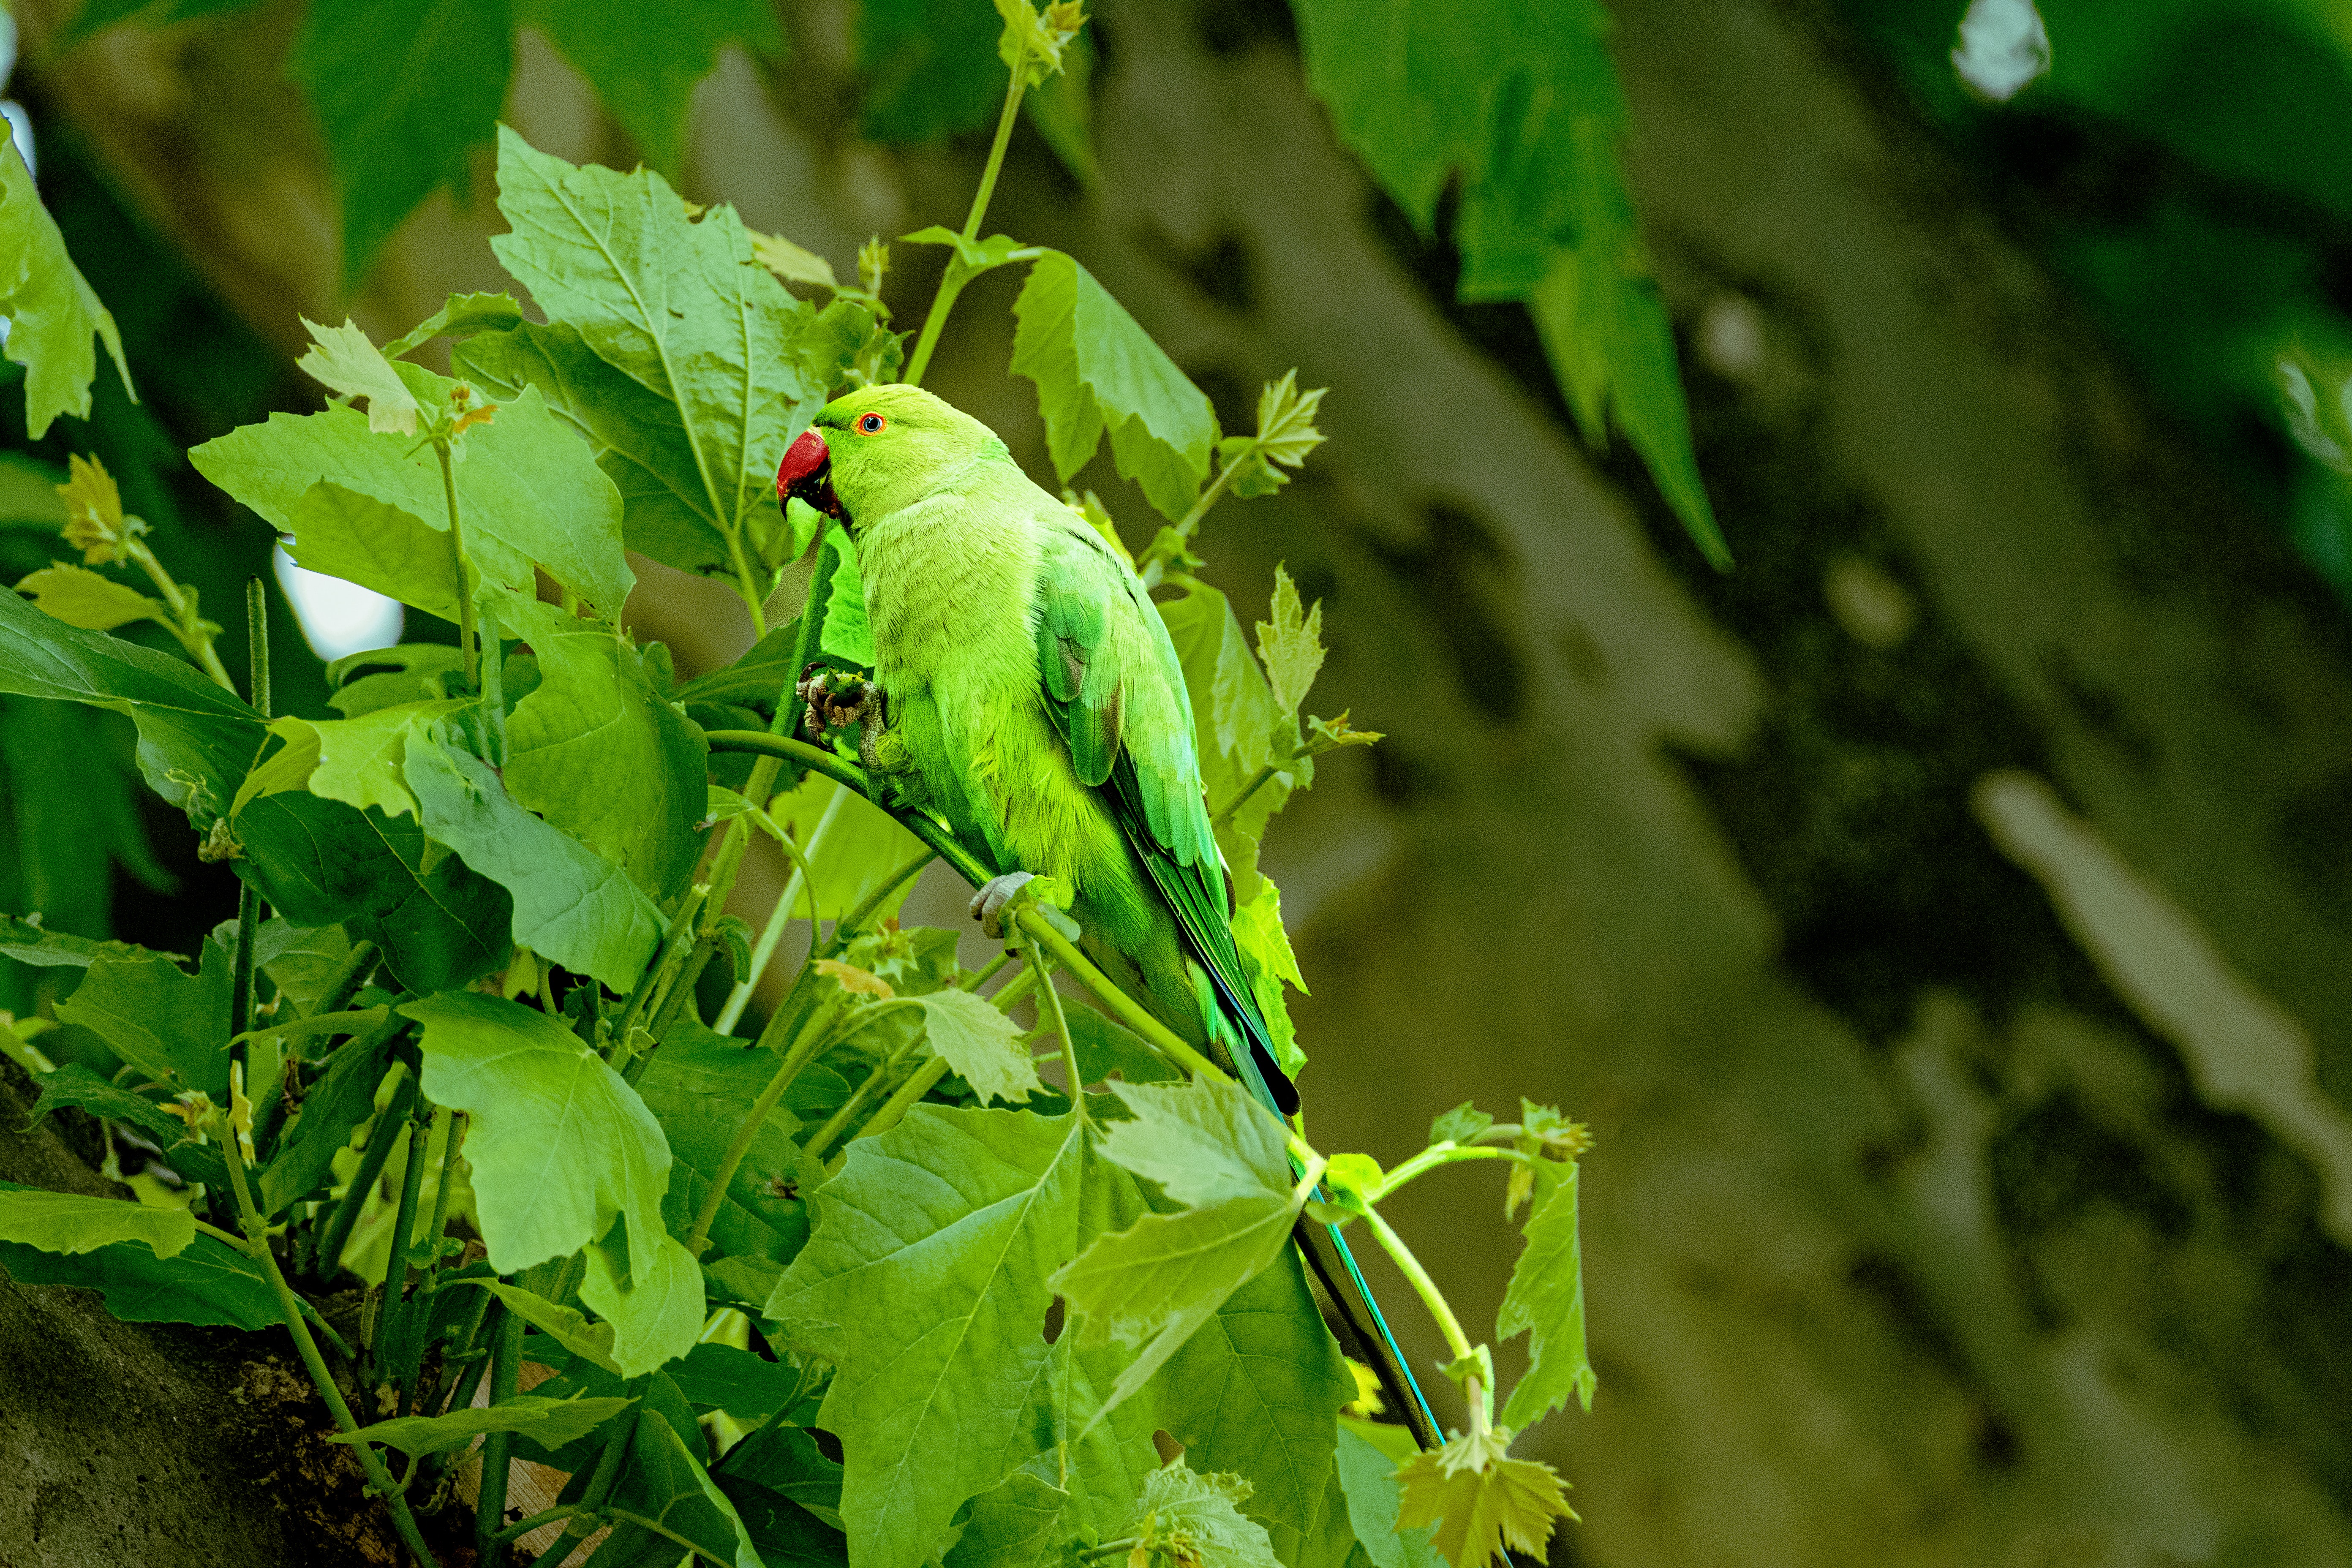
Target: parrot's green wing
1116	692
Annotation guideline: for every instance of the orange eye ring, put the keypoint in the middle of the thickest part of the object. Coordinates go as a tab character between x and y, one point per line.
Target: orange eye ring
871	423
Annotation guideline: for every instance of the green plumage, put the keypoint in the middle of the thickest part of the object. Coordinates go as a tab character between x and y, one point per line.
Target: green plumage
1037	704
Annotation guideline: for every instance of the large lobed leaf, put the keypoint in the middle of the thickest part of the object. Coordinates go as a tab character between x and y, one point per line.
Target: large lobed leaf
1545	1299
560	1147
1097	370
168	1024
203	1281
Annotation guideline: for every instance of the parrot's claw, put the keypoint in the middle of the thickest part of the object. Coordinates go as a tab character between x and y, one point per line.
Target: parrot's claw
836	700
988	904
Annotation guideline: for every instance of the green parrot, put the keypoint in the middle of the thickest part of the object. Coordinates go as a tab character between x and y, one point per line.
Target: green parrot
1025	689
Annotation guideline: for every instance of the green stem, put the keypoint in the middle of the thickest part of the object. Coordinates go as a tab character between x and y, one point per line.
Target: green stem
506	1373
347	981
453	1138
466	641
522	1527
902	1099
1050	1004
372	1160
403	1225
289	1308
1265	775
1154	567
805	1049
650	981
1481	1416
839	1121
747	584
217	1234
772	933
943	844
957	274
689	976
1438	1154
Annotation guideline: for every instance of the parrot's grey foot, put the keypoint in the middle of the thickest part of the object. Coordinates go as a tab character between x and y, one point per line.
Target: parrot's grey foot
838	699
988	904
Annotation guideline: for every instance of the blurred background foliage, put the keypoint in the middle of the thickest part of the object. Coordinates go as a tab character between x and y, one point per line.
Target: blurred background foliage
1916	1234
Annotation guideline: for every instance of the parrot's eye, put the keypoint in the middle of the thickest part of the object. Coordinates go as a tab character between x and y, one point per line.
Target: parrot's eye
871	423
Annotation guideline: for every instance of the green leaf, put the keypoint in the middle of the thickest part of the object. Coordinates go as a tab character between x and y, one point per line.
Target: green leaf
168	1024
981	1045
599	752
1254	1391
1523	106
559	1145
396	135
205	1282
300	960
846	634
749	1387
378	545
74	1084
1105	1048
1463	1124
1368	1478
697	1087
195	741
463	317
677	305
346	360
1210	1147
644	60
664	1485
655	1308
319	861
1013	1526
549	1423
1290	646
1264	947
1285	435
926	1283
569	905
1480	1501
785	1461
65	1222
593	1342
978	255
1235	719
80	597
51	309
1196	1519
1546	1300
344	1098
23	938
1097	370
418	673
355	760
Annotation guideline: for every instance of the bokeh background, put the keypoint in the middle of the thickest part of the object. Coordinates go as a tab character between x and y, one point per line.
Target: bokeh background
1941	919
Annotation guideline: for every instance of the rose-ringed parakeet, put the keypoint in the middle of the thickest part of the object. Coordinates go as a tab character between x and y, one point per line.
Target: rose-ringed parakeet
1025	689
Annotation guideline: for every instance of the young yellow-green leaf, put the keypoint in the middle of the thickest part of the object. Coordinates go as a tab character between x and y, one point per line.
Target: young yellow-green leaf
65	1222
50	307
981	1046
1463	1124
656	1311
80	597
1291	645
677	305
570	904
463	317
74	1084
1480	1501
355	760
925	1282
549	1423
1097	370
559	1145
408	672
396	136
95	523
168	1024
343	360
1201	1142
1285	435
1368	1478
664	1484
593	1342
378	545
599	753
644	60
1547	1301
1197	1522
1033	41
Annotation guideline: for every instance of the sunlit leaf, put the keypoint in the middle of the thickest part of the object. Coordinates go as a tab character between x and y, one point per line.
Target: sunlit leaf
656	1310
547	1422
1291	645
1480	1501
1546	1300
1196	1521
168	1024
65	1222
80	597
345	360
981	1045
205	1282
50	307
378	545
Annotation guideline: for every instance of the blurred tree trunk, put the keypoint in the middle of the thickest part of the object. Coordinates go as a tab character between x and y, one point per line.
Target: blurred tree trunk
1940	918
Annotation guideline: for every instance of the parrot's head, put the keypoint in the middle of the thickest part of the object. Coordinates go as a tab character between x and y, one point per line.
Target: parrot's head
880	448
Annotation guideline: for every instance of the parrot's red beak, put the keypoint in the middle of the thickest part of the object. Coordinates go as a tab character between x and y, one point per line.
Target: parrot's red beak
808	472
